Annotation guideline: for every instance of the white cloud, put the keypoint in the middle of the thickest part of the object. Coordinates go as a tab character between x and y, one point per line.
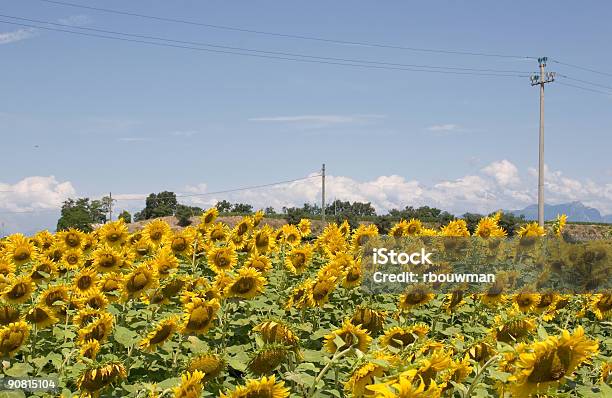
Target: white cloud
16	35
318	120
184	133
35	193
443	127
504	172
76	20
496	186
133	139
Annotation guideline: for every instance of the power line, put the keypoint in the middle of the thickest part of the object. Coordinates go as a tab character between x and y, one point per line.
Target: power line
575	66
315	61
234	189
586	82
609	93
286	35
214	45
179	196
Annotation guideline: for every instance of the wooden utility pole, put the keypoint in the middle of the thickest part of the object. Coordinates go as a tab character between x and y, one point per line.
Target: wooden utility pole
541	80
323	193
110	206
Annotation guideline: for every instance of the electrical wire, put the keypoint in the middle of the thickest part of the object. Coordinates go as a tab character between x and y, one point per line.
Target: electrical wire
579	67
286	35
201	44
609	93
366	66
585	81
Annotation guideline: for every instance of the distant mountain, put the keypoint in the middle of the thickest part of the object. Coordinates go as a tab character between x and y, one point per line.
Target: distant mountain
575	211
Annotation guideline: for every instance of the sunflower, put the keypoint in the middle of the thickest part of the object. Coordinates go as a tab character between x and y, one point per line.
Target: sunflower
353	275
71	238
301	296
19	290
98	329
401	337
110	284
351	336
20	250
43	240
165	262
107	259
155	231
85	316
512	326
362	234
191	385
52	296
9	314
273	331
414	297
528	233
321	289
544	364
85	281
41	316
370	319
399	229
257	217
180	243
113	233
208	218
365	374
217	233
601	305
298	259
143	247
95	299
95	378
407	384
222	258
487	227
265	387
268	358
212	365
526	301
89	349
141	279
161	333
55	253
247	284
199	315
259	262
304	226
12	337
455	229
43	270
481	351
559	224
6	267
453	300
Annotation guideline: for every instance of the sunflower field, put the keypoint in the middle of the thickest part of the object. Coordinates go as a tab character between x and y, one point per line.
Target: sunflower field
255	311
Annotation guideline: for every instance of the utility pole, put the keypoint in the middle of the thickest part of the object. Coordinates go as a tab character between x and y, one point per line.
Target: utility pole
541	79
323	193
110	206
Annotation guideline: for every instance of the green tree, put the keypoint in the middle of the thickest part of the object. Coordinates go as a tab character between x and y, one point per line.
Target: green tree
158	205
126	216
472	220
242	208
81	213
184	213
224	206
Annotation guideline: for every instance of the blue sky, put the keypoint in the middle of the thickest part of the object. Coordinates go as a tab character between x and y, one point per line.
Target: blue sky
102	115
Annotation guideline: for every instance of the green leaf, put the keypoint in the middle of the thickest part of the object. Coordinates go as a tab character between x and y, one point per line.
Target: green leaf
125	336
19	370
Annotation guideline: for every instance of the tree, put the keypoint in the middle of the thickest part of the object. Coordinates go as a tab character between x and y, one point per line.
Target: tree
183	215
158	205
270	211
126	216
242	208
80	213
384	224
224	206
472	220
510	222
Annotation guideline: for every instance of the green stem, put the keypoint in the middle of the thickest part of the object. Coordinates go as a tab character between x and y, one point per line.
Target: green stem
337	355
479	375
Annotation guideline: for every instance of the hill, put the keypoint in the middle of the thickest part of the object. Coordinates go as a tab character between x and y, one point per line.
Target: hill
575	211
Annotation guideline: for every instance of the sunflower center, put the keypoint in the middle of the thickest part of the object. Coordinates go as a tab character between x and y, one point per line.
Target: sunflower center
18	291
243	285
107	261
162	334
113	237
72	259
199	318
415	297
179	244
605	303
22	254
138	282
84	282
222	261
552	367
72	240
298	259
353	275
156	235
